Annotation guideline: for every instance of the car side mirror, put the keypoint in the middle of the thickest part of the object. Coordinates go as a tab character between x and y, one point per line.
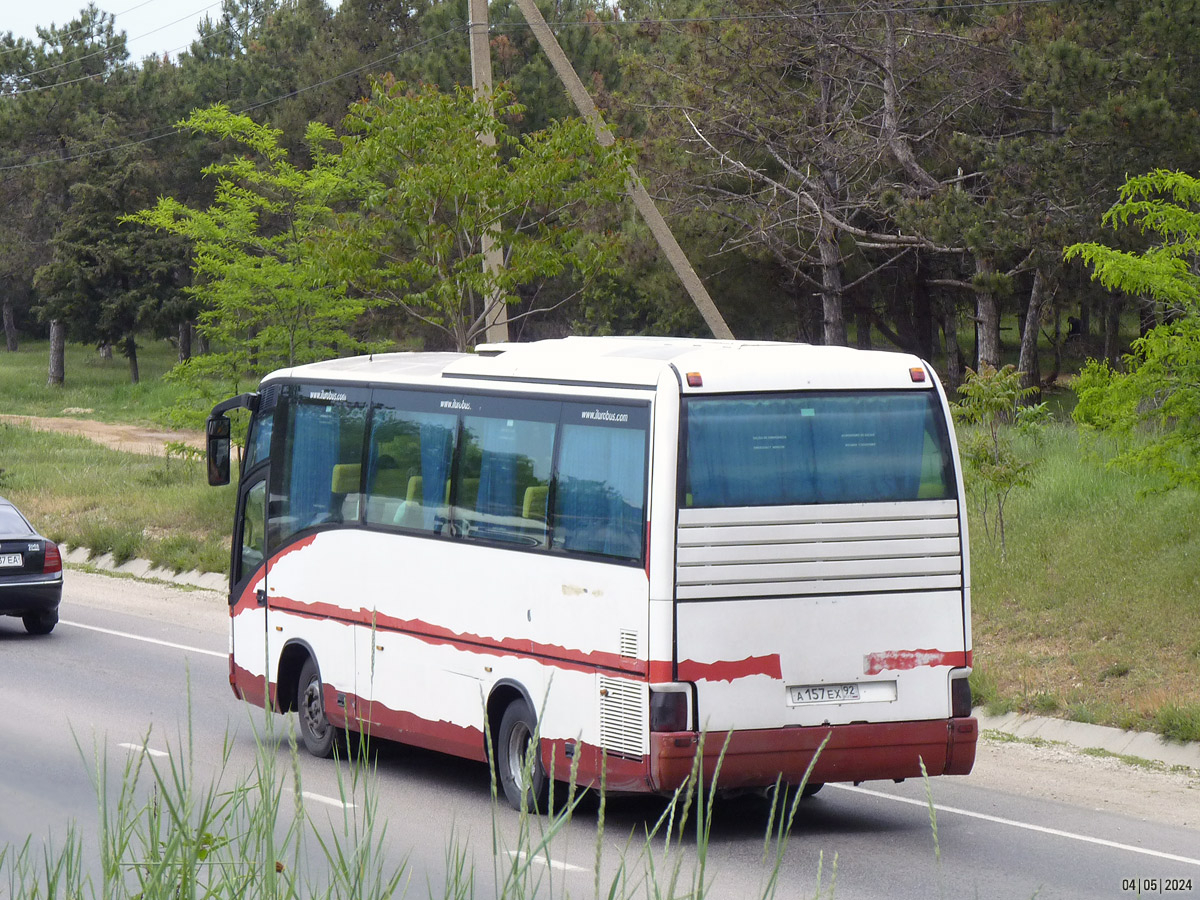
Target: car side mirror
217	446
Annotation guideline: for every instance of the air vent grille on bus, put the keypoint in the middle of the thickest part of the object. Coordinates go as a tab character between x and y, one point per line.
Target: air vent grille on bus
629	644
623	710
851	548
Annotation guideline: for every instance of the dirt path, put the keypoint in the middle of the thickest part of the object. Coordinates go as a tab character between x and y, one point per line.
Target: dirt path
129	438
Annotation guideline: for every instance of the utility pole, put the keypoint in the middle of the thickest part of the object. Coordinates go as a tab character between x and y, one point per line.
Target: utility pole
496	310
637	192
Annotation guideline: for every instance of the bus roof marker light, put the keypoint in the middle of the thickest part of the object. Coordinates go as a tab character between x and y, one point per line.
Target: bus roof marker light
917	374
694	379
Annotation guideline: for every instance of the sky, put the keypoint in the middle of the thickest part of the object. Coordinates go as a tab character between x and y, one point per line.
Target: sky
150	26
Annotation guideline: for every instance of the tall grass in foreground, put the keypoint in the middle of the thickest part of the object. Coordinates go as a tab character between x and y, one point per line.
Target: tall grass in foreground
165	834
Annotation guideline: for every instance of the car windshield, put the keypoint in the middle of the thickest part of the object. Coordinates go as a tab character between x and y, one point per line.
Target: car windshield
11	522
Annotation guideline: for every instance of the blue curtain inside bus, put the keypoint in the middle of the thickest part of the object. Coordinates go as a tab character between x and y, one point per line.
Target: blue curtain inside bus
318	431
851	447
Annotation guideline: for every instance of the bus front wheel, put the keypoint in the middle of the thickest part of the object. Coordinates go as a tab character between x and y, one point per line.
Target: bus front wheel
521	774
315	730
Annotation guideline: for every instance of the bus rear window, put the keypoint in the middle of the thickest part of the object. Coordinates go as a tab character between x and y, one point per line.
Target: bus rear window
827	447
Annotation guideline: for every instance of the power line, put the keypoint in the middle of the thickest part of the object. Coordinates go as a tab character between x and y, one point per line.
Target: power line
164	134
104	50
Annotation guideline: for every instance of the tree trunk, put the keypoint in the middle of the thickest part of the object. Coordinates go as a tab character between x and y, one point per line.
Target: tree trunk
833	318
987	313
1027	364
58	352
954	360
1149	318
105	350
129	351
1052	378
862	328
185	341
923	314
1112	330
10	327
201	342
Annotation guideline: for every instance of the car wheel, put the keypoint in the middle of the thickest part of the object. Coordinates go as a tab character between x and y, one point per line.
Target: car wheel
811	788
523	779
40	622
315	730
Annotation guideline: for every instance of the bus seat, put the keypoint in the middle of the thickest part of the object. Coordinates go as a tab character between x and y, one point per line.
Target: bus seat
389	483
414	492
346	477
534	504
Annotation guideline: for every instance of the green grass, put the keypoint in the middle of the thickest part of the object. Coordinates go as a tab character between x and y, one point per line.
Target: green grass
100	385
1094	611
84	495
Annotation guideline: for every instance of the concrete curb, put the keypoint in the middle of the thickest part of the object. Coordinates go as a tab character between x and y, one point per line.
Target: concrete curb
1077	734
140	568
1144	745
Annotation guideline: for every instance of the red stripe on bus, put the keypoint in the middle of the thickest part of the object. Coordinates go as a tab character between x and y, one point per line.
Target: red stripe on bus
900	660
247	599
560	657
731	669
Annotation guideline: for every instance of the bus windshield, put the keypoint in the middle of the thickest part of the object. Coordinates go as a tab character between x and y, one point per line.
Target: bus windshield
816	447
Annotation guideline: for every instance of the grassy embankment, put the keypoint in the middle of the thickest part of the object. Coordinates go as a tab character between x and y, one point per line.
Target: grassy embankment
1094	615
81	494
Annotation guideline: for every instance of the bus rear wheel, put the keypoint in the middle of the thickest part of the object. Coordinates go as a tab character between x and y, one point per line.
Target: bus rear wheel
521	774
315	731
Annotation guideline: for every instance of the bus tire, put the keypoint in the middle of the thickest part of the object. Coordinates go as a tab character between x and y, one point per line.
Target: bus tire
524	782
315	731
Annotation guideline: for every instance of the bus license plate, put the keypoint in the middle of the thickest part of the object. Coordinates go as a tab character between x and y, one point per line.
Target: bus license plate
823	693
8	560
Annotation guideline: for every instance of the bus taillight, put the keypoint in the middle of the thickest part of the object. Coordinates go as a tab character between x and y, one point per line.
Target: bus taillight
960	696
668	710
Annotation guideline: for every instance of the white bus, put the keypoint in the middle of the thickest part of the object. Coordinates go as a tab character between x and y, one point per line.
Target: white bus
610	546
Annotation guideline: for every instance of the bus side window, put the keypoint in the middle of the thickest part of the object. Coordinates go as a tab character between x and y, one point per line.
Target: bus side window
599	491
505	463
322	464
408	467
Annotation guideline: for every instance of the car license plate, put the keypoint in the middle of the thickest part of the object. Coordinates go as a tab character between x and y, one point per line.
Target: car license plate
823	693
8	560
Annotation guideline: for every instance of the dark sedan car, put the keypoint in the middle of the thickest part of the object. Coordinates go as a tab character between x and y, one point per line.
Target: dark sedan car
30	572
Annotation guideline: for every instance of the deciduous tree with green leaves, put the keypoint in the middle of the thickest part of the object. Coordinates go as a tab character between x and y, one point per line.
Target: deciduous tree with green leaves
266	299
991	405
1158	395
425	189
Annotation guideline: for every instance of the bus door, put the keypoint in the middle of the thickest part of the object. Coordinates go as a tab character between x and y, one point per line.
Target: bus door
248	565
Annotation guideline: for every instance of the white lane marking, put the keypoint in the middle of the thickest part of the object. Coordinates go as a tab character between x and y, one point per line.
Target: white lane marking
540	859
331	801
138	637
142	749
1027	826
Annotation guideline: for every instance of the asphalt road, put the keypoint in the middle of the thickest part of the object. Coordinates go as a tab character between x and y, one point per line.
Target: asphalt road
135	665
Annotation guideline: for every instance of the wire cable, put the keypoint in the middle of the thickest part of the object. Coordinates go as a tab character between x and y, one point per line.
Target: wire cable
174	130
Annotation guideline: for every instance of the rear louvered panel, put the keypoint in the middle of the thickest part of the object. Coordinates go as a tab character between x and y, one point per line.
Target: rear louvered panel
806	550
629	644
623	706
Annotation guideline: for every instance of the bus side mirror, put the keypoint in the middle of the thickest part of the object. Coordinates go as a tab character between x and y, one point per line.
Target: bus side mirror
217	434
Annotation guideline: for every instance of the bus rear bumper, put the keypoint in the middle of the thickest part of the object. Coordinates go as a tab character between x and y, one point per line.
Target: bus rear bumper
863	752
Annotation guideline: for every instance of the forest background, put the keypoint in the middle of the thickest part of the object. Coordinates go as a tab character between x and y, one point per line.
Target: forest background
881	174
